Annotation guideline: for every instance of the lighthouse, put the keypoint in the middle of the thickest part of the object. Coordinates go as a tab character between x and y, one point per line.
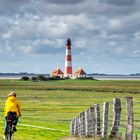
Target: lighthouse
68	60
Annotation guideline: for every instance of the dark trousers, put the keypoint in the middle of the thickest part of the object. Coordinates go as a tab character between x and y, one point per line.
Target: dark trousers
6	123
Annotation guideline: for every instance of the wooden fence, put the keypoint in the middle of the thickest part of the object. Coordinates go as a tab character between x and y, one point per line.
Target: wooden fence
94	122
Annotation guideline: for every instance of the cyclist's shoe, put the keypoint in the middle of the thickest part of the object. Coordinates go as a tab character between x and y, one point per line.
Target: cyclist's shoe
14	129
4	137
5	133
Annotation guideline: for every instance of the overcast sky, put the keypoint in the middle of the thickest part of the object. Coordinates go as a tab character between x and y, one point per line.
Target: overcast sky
105	35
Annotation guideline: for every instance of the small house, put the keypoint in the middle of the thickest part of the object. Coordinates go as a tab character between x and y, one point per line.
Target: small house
79	73
57	72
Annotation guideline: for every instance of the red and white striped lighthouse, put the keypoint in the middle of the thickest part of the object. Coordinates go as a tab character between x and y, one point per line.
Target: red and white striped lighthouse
68	60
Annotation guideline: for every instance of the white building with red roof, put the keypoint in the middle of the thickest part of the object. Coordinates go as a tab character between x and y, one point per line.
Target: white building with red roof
79	73
57	72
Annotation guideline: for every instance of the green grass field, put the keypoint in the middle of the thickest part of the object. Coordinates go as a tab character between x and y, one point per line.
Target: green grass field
48	107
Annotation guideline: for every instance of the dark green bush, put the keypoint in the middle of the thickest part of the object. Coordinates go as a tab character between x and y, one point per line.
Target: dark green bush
85	78
33	78
55	78
25	78
41	78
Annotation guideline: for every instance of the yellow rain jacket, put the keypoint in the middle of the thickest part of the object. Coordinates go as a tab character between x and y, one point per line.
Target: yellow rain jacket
13	105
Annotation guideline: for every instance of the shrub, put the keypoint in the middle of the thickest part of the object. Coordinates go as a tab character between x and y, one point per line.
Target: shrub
33	78
85	78
55	78
25	78
41	78
65	78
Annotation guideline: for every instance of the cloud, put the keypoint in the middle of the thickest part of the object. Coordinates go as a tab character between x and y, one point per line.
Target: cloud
115	23
120	2
8	7
100	30
65	1
137	35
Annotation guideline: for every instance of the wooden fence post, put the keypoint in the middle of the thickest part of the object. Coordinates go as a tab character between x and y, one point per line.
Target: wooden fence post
105	119
72	127
116	118
130	119
98	120
76	126
90	122
78	123
82	124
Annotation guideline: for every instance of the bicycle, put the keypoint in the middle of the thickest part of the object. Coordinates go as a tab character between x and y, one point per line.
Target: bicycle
10	118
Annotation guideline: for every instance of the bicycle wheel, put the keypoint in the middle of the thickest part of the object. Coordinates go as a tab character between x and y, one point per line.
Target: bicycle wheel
9	135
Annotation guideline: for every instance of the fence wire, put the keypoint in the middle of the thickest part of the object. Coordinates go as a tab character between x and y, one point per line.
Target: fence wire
96	122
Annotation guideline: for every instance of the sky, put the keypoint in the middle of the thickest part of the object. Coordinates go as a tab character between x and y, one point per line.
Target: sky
105	35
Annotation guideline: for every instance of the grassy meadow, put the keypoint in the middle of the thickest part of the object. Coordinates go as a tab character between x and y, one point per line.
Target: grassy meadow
48	107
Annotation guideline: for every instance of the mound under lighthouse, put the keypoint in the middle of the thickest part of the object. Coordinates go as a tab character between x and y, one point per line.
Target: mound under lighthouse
68	60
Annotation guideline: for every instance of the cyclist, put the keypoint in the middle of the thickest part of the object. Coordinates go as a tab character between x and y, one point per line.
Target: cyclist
12	105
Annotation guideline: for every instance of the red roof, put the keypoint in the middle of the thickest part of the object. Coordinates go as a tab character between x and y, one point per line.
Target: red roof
57	72
80	71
